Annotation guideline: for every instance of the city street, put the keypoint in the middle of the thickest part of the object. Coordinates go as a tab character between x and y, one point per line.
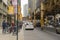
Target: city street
35	34
29	19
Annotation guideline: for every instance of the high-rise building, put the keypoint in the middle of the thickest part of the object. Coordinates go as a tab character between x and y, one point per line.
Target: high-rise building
25	14
32	5
38	3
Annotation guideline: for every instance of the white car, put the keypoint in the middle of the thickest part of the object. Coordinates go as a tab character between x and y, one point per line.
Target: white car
29	26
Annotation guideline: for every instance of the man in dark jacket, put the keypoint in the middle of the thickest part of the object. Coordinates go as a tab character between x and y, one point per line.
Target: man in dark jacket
4	26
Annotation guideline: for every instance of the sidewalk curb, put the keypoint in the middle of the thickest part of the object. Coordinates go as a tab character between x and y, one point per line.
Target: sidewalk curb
52	33
50	29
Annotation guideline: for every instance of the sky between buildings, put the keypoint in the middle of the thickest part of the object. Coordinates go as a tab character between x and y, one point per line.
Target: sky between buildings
23	2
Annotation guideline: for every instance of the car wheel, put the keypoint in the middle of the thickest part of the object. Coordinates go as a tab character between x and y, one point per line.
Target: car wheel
57	31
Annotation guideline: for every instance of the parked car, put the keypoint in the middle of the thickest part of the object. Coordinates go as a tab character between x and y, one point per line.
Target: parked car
58	26
51	20
57	23
57	30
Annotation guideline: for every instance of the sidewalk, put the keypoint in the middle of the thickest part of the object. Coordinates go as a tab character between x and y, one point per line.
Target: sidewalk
10	36
51	29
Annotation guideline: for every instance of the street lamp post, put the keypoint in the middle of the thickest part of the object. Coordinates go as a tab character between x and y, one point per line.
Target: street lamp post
29	10
17	19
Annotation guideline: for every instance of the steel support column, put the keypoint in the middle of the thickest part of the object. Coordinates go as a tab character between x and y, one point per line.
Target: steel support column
34	19
42	15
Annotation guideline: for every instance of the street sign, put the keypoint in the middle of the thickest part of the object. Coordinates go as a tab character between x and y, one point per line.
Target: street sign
14	2
11	10
15	9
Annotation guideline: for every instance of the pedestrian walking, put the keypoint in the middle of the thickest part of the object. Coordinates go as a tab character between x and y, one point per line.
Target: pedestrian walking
7	27
4	26
15	30
12	27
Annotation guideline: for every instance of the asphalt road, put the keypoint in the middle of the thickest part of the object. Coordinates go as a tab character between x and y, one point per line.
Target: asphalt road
37	34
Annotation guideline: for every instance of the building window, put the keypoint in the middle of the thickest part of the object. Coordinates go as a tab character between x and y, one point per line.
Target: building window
57	0
53	2
46	1
0	0
4	6
11	2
